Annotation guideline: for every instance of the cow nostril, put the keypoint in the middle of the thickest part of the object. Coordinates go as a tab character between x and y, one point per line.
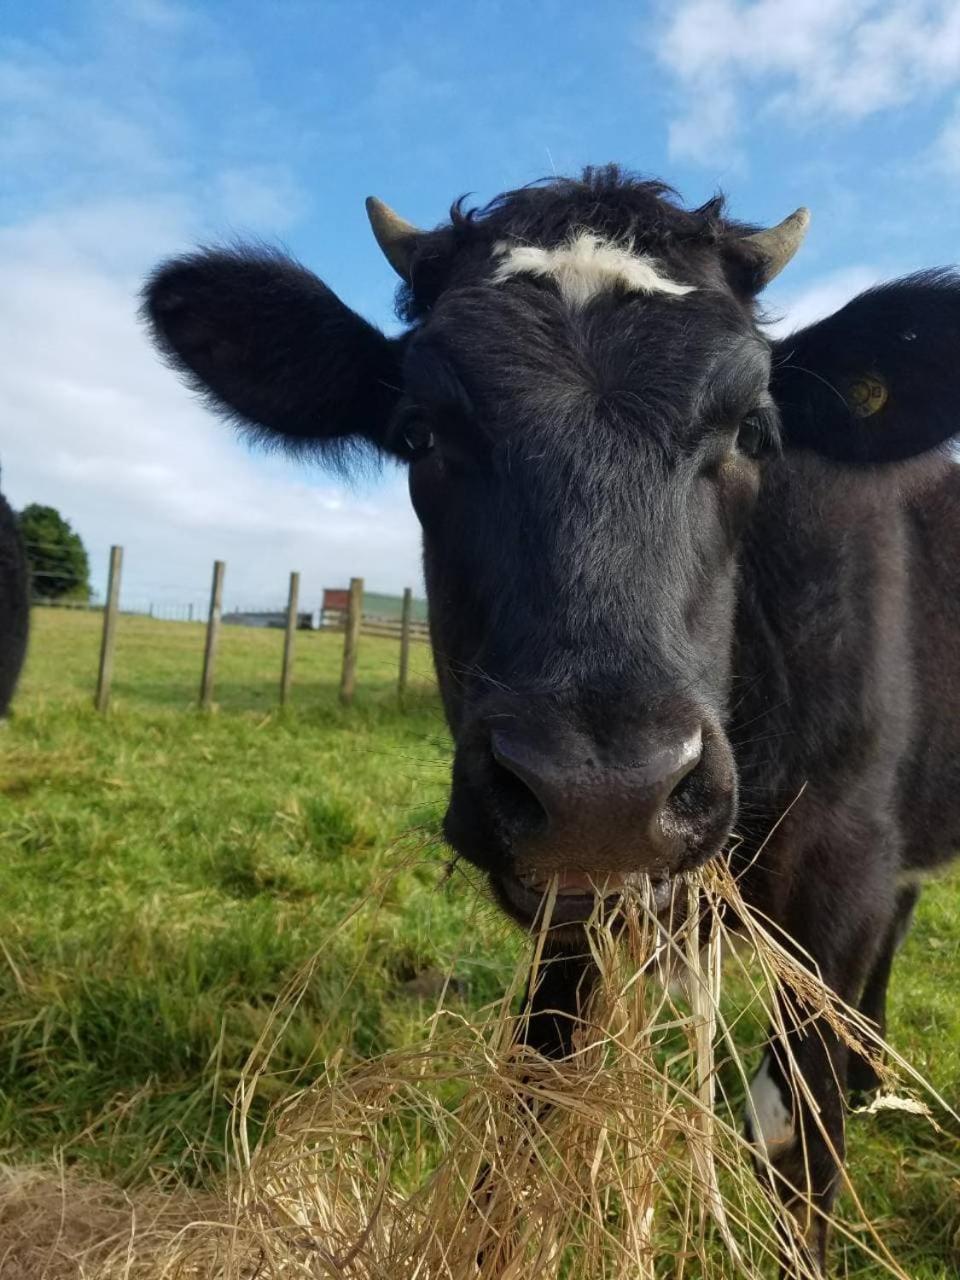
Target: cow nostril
515	800
668	770
679	778
684	786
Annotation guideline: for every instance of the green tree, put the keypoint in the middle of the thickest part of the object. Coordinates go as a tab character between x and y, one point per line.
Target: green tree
58	559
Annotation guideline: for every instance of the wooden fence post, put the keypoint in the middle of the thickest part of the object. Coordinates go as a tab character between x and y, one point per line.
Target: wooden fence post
286	675
110	610
405	616
213	634
351	636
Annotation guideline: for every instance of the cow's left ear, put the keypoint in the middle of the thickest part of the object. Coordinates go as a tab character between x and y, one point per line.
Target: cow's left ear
878	381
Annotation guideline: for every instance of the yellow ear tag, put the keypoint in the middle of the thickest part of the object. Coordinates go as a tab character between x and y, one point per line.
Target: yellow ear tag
867	395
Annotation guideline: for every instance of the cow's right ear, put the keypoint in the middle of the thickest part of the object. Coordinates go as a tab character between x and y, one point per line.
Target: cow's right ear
271	347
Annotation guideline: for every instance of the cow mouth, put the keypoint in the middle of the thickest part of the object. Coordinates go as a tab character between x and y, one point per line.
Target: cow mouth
580	895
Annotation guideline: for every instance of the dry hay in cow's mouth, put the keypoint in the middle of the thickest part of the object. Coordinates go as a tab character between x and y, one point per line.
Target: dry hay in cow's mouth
471	1157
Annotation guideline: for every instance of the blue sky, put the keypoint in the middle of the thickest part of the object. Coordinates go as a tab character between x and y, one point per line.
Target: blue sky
130	129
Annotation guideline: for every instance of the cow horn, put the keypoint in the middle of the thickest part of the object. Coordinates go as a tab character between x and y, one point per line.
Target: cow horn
395	236
776	247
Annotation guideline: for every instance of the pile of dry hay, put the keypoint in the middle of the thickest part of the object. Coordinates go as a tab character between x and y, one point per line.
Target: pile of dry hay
471	1157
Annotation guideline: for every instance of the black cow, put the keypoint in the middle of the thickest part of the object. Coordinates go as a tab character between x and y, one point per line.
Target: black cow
14	604
684	579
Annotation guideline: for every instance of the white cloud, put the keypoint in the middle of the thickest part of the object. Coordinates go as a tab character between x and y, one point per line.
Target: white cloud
257	198
943	155
97	427
811	59
822	297
58	126
93	422
163	15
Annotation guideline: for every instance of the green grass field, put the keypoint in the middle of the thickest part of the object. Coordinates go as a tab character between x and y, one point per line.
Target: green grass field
165	875
383	606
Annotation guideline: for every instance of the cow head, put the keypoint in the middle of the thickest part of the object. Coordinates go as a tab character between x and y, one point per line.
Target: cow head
586	405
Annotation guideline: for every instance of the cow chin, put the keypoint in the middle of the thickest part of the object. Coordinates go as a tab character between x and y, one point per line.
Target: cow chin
567	902
565	899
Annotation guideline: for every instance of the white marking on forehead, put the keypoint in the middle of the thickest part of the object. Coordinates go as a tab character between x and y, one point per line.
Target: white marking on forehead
586	265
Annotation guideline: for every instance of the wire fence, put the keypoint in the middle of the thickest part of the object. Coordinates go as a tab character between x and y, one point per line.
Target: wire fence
165	601
341	610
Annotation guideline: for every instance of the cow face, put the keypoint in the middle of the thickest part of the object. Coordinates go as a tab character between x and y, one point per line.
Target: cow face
586	406
581	475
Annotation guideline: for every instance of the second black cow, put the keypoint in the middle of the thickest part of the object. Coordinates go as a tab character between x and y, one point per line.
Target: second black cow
14	604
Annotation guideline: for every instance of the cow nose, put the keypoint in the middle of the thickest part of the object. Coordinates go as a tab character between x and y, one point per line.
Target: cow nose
593	809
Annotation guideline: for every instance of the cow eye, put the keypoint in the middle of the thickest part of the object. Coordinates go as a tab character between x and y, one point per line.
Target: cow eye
753	438
418	438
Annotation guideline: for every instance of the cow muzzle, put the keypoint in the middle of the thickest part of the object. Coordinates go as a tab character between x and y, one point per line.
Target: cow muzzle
590	815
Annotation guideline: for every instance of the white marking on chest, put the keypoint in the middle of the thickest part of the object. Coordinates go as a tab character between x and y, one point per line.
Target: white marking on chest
771	1122
586	265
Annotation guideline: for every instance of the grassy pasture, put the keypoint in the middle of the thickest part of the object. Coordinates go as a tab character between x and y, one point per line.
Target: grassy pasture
165	874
